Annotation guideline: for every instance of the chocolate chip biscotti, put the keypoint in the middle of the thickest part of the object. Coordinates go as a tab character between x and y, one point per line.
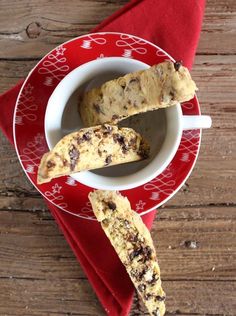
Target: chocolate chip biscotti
159	86
92	148
133	244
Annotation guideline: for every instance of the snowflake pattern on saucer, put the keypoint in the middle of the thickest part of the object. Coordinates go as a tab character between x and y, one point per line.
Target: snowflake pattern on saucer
32	153
27	107
131	44
54	67
54	196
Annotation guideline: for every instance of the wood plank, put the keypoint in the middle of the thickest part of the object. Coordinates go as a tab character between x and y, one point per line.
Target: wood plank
40	276
74	297
36	27
196	243
218	29
197	298
47	297
33	247
12	71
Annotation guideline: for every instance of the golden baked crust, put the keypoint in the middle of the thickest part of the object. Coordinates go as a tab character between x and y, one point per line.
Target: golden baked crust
92	148
133	244
159	86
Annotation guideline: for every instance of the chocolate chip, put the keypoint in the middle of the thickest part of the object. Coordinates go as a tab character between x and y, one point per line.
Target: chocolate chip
133	238
111	205
74	156
108	160
160	298
141	274
124	149
147	252
99	152
118	139
156	312
50	164
79	140
177	65
107	130
154	279
126	223
135	253
133	142
144	101
147	296
135	274
97	108
87	136
115	117
121	140
125	107
141	287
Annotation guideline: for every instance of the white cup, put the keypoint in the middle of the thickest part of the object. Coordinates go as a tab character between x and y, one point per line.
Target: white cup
162	128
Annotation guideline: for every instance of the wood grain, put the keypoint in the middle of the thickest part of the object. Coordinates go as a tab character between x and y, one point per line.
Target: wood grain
194	233
34	256
35	236
75	297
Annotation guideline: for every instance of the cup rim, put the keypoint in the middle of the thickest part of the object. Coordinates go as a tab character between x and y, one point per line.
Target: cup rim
130	181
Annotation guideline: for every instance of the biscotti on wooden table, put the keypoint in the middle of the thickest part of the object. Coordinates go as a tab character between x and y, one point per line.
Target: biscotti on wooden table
133	243
159	86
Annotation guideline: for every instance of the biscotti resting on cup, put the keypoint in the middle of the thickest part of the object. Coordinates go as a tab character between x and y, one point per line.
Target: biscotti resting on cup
159	86
92	148
133	243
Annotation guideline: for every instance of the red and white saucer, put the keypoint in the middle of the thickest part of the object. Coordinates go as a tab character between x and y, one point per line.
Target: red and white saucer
29	136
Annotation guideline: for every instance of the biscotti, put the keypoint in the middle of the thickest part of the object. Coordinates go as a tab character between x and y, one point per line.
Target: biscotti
133	244
92	148
159	86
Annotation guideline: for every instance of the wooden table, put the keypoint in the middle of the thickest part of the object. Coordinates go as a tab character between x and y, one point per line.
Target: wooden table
39	274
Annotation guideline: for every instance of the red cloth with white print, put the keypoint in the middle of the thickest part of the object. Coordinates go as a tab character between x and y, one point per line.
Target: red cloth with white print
174	26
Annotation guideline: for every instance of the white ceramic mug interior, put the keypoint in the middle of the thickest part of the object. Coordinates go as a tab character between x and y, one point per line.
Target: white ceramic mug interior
162	128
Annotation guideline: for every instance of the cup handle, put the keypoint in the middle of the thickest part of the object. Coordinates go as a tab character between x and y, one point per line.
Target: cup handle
196	121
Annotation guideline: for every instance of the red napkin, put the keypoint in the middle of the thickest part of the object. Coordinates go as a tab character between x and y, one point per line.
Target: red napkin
175	27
